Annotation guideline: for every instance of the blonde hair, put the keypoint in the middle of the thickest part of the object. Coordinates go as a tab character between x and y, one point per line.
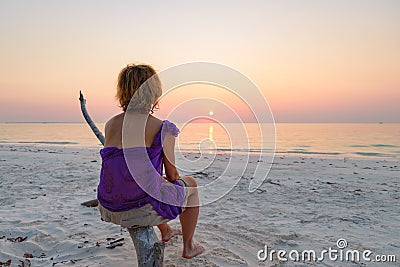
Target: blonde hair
138	88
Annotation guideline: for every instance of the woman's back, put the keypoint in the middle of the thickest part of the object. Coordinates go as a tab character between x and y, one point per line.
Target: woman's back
132	176
140	129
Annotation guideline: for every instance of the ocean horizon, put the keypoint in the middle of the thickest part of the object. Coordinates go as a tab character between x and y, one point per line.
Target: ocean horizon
339	140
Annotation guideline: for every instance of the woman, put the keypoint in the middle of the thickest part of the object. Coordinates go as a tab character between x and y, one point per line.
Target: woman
132	191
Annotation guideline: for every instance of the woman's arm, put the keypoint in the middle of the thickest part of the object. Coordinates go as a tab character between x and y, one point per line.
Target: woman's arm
107	133
169	158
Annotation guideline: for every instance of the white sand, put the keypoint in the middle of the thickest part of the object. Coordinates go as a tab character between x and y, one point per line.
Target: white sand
305	203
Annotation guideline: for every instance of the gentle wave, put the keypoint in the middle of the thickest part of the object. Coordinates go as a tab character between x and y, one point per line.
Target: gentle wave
296	152
385	145
313	152
377	145
373	154
359	146
258	150
41	142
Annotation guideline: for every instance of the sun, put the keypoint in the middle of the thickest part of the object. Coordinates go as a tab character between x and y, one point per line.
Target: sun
211	113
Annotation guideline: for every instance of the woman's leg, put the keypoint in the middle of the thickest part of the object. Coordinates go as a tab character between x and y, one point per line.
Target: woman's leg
167	232
188	220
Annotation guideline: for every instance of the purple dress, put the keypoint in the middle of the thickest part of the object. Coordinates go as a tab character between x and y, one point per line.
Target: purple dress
132	177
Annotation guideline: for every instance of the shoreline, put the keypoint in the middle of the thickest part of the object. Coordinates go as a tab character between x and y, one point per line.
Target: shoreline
67	145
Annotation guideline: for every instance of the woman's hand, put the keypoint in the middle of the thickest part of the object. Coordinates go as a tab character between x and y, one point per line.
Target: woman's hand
166	179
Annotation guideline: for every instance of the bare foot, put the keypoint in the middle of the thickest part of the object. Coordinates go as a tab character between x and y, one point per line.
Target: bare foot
196	250
171	232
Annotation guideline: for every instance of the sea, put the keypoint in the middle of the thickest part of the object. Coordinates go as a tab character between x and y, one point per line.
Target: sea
337	140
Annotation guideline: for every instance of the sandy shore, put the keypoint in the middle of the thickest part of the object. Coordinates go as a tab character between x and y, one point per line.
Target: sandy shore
305	203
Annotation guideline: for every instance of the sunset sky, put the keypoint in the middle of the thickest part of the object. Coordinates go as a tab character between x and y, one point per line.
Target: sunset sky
315	61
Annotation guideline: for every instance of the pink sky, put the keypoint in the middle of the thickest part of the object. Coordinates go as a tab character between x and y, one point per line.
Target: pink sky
325	61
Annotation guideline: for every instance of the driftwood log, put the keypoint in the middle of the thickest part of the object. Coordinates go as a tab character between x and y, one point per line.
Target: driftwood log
149	250
89	120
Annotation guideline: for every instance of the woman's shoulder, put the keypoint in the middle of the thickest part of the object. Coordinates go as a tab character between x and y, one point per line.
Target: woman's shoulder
164	126
154	123
155	120
114	121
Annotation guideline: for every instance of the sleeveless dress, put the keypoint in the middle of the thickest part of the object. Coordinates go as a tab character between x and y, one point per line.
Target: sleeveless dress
132	192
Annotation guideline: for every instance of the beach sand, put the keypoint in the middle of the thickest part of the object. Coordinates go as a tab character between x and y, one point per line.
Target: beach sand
305	203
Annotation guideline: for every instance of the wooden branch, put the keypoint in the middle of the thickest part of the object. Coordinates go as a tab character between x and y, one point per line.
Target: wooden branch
99	135
89	120
149	250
